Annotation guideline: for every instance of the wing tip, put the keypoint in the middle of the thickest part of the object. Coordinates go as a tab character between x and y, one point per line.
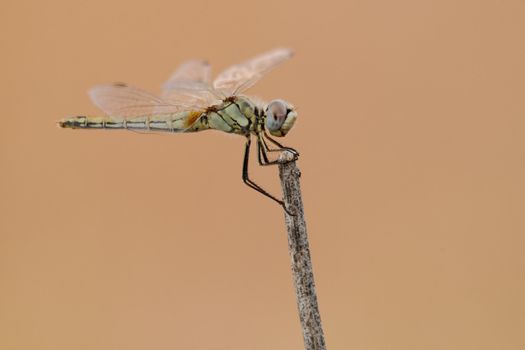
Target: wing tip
286	51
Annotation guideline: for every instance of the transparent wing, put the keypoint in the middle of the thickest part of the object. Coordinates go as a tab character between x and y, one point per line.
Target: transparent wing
190	83
121	100
190	74
240	77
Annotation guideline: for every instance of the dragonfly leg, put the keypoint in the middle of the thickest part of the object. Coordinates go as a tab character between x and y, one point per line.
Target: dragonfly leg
262	147
261	151
252	184
281	147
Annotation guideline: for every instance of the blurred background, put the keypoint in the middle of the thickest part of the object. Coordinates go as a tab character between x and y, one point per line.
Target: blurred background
410	128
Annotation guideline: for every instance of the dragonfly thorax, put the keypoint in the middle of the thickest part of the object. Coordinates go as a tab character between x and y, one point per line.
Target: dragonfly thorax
280	117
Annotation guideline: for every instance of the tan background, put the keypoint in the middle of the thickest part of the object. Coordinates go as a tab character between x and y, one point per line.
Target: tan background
411	132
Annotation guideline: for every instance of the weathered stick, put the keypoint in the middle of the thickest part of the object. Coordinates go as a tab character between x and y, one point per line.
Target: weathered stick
303	276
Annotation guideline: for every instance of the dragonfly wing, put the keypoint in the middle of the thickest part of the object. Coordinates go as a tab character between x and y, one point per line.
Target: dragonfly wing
135	105
121	100
189	73
190	83
240	77
201	98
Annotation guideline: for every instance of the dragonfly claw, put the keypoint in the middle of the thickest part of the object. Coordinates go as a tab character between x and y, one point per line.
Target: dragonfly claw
286	209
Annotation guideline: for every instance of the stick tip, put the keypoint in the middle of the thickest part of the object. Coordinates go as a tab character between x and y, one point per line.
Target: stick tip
287	156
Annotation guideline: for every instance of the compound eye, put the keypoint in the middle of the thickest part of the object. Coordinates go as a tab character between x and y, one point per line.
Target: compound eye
276	113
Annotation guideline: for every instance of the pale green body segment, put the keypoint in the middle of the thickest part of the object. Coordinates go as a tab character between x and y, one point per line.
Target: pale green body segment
238	115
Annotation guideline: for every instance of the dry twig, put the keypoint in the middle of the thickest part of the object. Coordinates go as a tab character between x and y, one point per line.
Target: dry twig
300	254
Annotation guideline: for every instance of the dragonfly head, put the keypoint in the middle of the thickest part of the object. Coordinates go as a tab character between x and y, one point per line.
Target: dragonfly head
280	117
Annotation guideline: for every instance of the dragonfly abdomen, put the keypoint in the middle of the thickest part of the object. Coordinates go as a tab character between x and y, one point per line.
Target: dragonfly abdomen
89	122
178	122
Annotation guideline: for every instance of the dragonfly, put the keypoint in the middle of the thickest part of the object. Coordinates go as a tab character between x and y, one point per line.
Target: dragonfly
190	102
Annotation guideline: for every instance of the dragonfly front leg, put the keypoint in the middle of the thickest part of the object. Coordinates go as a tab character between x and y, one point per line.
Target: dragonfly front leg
249	182
281	147
262	148
261	152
